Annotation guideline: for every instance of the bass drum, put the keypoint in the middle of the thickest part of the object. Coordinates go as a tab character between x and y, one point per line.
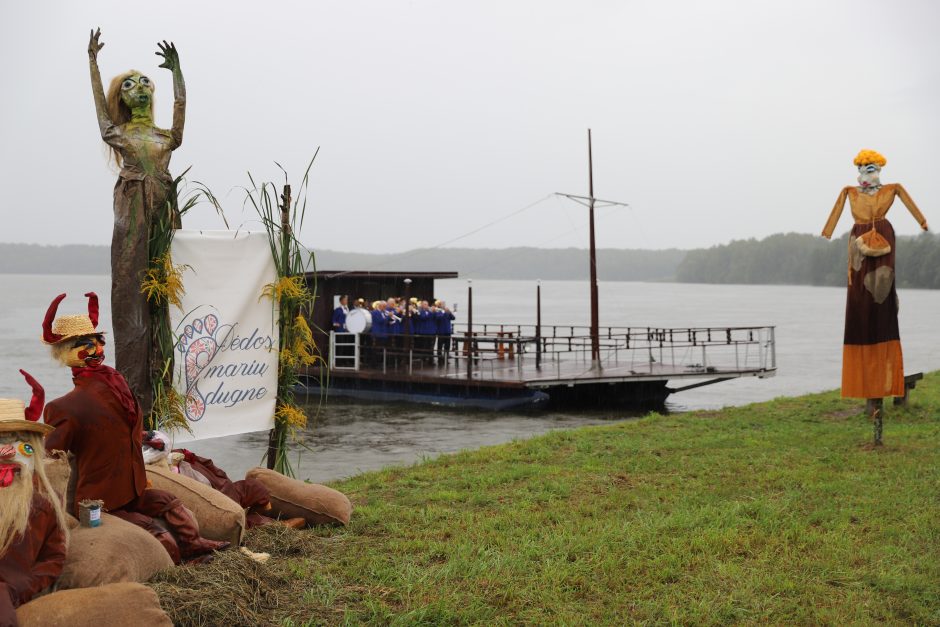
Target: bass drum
359	321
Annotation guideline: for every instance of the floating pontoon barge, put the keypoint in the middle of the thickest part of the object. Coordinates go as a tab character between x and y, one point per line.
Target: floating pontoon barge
504	366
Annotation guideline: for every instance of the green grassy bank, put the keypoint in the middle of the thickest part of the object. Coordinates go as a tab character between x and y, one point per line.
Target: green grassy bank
776	512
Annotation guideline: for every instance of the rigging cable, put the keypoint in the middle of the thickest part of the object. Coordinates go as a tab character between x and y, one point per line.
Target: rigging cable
574	229
412	253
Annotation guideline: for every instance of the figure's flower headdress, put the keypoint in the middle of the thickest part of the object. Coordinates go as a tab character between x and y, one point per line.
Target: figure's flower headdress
870	157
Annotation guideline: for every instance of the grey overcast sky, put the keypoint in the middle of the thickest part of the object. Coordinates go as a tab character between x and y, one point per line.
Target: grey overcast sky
715	120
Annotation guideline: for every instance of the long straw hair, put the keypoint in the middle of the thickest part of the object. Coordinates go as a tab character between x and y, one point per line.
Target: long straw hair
14	516
118	111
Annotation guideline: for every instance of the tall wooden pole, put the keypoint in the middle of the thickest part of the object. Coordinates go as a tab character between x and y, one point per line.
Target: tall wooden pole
469	330
595	331
274	437
407	321
538	325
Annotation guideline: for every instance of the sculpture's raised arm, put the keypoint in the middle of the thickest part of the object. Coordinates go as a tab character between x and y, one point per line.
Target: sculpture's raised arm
171	61
101	105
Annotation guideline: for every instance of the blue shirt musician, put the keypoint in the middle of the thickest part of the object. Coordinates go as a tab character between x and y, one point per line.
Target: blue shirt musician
379	320
423	320
393	316
444	318
339	315
378	333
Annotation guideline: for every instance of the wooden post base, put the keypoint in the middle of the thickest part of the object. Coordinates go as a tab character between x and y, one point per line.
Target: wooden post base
875	408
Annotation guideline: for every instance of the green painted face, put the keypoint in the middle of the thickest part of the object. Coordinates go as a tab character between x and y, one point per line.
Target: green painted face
137	92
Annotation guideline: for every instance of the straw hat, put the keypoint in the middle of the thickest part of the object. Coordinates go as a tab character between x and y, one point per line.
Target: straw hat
72	326
67	327
13	418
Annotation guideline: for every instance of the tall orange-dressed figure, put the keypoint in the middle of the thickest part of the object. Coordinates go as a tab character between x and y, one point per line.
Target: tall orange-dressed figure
872	364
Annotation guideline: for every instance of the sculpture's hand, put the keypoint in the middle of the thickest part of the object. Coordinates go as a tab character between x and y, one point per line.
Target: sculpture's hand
171	58
94	45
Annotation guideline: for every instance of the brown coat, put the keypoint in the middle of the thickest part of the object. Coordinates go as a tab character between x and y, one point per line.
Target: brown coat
90	423
35	561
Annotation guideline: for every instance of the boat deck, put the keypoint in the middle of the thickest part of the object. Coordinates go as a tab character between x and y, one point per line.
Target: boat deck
525	373
517	357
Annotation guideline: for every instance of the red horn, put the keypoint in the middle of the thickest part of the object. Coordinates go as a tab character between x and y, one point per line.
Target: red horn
34	410
47	335
93	308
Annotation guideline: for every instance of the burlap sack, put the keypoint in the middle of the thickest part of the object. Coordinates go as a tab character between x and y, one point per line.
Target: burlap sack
123	604
219	517
290	498
114	552
59	472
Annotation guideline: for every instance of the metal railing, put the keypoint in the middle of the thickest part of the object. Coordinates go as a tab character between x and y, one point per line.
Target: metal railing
689	351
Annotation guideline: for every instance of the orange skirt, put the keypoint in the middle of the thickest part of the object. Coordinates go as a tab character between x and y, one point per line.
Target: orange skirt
873	370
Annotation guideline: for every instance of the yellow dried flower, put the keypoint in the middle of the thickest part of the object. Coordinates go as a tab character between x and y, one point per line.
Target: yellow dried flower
289	287
169	408
163	281
291	416
868	157
303	347
287	358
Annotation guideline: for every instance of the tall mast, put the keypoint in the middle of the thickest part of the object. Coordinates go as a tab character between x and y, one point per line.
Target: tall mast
595	331
590	202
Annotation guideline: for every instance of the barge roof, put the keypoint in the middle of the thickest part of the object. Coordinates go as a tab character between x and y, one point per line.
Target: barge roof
383	274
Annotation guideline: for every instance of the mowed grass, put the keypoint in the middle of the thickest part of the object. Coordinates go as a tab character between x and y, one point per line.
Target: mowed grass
778	512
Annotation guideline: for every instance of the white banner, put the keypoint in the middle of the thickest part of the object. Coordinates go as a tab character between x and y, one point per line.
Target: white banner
227	346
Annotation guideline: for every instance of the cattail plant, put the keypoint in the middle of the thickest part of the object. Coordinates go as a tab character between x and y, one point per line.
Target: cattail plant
291	296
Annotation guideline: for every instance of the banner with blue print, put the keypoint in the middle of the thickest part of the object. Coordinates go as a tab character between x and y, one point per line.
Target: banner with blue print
226	333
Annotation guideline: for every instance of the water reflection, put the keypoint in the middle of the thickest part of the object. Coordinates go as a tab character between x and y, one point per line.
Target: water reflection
348	438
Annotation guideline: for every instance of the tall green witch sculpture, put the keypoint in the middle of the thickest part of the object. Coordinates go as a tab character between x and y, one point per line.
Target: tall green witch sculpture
144	199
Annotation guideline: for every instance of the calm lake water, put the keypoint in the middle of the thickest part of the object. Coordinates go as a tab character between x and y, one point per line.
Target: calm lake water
348	438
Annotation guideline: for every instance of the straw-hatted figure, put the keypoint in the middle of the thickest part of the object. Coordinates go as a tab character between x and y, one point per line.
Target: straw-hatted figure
33	530
100	423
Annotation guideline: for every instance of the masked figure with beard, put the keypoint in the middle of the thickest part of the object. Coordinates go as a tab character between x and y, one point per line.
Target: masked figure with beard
100	423
33	533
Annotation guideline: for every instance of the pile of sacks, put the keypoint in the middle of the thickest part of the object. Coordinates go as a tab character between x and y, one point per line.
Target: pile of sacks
105	565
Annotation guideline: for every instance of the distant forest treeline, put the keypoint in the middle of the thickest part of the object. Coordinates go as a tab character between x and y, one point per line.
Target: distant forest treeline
791	258
800	259
506	263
